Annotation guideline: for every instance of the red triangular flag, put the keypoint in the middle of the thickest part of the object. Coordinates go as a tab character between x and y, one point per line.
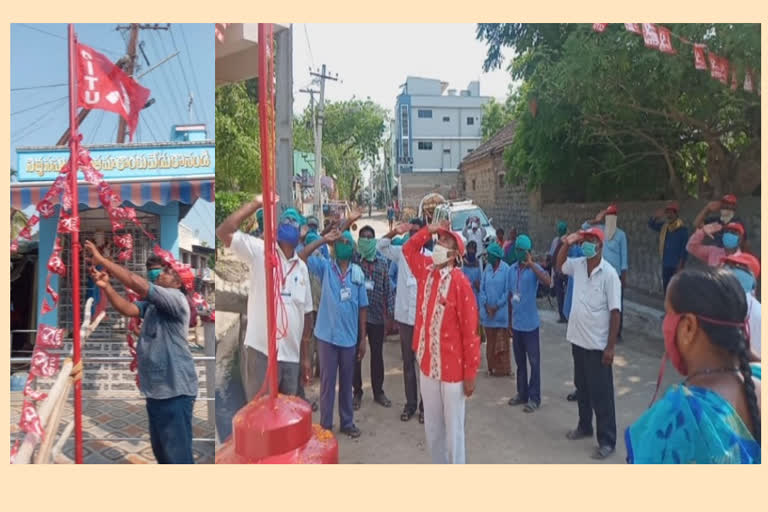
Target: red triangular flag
699	59
665	41
718	67
599	27
650	35
102	85
633	27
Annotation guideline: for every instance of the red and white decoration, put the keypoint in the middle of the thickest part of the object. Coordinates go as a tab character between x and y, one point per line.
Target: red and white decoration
660	38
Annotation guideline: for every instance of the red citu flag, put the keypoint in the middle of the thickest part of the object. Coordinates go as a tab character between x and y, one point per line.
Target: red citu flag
102	85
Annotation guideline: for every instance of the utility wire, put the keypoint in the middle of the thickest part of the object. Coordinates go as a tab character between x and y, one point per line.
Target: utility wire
32	27
184	75
23	132
309	46
14	89
194	75
38	105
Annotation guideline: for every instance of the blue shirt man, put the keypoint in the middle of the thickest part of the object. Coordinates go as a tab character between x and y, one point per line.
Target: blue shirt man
494	292
524	277
673	237
341	322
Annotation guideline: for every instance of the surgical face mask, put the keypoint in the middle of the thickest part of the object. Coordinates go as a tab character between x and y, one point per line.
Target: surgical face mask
288	233
745	278
153	274
730	240
367	248
343	251
521	255
589	249
440	255
726	215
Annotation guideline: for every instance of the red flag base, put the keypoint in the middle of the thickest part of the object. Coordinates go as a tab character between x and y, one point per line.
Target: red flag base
278	431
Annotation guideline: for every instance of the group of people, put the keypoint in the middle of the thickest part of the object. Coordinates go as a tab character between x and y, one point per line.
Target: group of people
445	293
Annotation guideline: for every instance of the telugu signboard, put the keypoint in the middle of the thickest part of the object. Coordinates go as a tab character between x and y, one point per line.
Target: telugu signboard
123	161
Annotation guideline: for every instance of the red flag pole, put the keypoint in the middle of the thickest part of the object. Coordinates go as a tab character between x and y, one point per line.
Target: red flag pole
266	129
73	169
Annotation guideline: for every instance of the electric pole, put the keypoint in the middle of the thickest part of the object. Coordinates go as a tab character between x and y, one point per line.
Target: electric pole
130	67
322	76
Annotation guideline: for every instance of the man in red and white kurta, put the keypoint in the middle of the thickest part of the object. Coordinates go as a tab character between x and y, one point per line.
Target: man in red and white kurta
445	340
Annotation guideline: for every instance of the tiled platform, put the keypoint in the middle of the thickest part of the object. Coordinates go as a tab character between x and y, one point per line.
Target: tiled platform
105	420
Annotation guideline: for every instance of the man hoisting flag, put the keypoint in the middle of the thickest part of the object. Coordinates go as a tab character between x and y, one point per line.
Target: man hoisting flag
103	85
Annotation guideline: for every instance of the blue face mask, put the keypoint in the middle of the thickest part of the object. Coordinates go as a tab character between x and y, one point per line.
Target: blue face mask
745	278
288	233
730	240
153	274
589	249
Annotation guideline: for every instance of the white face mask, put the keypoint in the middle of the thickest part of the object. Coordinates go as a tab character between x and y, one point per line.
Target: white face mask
610	226
440	255
726	215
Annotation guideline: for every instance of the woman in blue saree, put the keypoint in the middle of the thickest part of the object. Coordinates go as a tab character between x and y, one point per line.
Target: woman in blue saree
713	417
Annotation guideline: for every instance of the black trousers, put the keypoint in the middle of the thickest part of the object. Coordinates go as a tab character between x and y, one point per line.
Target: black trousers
594	392
375	349
666	276
410	368
561	282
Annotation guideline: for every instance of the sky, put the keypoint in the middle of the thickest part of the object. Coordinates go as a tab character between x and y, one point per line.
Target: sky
373	60
39	108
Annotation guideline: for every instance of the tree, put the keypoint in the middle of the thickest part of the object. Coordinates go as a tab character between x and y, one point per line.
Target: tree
353	133
238	154
495	117
627	120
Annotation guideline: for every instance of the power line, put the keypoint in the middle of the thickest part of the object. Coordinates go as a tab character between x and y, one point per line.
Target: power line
309	46
194	75
184	73
38	105
26	130
167	79
97	126
31	27
13	89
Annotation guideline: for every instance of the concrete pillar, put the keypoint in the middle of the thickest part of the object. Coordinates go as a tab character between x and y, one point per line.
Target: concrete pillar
284	114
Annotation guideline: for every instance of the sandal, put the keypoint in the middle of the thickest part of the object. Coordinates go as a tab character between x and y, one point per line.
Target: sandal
421	417
577	434
517	401
407	414
571	397
383	401
530	407
602	452
357	401
314	406
352	432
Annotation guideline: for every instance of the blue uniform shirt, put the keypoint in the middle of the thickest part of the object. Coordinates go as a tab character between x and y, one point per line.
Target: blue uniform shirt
473	274
494	292
342	297
674	244
525	312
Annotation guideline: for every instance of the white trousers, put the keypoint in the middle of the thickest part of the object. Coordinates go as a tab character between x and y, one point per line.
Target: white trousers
444	407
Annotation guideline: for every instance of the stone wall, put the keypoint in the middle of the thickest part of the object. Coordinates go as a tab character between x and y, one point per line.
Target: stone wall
644	262
417	185
508	205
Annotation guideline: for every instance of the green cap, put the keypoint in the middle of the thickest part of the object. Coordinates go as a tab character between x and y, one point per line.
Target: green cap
292	213
311	237
349	237
562	227
523	242
260	217
495	250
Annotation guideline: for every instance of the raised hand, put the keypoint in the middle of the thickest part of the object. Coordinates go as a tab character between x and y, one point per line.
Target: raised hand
95	256
332	236
573	238
100	278
713	206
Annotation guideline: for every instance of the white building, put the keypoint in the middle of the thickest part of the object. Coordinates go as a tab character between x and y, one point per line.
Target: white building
435	128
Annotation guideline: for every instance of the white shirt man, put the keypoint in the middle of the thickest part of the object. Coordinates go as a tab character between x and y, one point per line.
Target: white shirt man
296	298
753	321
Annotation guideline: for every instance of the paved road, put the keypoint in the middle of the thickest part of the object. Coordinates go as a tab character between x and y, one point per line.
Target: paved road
496	432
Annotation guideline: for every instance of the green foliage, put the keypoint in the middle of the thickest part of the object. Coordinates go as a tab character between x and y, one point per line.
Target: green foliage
238	155
353	132
227	202
495	117
626	120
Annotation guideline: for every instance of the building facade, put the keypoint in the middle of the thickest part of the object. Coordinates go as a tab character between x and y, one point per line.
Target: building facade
434	129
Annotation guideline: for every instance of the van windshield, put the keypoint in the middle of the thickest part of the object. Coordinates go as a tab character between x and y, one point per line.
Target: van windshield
459	219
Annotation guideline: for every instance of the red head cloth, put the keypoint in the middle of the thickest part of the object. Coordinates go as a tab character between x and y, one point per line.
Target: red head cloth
597	232
729	199
184	271
735	226
672	206
102	85
612	210
459	241
745	259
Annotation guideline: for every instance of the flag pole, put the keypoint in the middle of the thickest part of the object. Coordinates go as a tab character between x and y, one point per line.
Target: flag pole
75	247
268	191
